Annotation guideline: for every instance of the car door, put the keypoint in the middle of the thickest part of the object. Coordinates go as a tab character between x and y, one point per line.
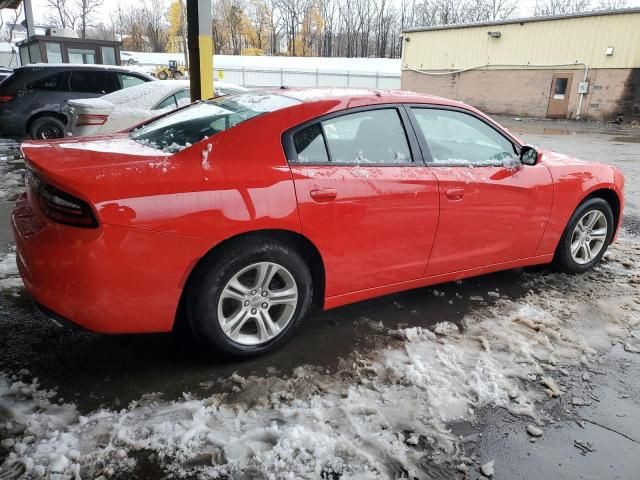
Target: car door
365	198
493	209
48	93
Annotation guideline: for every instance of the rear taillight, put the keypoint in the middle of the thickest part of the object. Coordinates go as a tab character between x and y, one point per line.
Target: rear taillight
6	98
60	206
91	119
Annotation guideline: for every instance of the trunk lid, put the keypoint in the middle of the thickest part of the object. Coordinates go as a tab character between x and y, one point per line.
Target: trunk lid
95	168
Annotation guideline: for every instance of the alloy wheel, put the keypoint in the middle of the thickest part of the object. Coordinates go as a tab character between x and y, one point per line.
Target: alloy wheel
589	237
257	303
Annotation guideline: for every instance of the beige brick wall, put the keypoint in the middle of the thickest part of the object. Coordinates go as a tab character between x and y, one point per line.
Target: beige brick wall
516	92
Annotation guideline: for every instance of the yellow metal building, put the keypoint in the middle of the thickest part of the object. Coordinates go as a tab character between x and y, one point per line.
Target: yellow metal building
571	66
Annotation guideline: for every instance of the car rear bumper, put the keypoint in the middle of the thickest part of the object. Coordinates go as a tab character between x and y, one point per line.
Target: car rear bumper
111	279
10	123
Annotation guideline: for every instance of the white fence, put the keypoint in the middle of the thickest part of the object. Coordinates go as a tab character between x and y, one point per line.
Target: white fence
251	77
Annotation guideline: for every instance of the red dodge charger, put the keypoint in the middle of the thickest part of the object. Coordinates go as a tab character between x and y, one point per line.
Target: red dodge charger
238	214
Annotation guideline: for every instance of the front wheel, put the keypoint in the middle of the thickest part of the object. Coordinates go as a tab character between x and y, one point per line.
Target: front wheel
586	237
249	299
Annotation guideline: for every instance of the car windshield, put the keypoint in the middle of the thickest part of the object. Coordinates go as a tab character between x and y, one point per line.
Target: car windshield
183	128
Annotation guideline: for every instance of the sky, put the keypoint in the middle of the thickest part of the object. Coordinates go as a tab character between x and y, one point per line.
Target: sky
525	8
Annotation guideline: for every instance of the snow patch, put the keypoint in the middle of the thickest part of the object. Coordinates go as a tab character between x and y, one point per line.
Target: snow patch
377	417
9	276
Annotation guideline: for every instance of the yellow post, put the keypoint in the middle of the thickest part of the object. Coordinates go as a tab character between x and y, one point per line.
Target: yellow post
199	39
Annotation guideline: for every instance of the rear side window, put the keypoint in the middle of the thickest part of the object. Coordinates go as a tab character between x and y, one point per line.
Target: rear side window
185	127
369	137
170	101
93	82
183	97
55	83
310	145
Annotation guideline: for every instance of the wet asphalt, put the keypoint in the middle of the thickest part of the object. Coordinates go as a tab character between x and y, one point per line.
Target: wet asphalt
98	370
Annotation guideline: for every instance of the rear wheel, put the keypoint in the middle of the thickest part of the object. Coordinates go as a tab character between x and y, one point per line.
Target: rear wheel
586	237
47	128
250	298
177	75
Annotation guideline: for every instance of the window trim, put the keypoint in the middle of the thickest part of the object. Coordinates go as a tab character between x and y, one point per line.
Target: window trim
424	145
412	141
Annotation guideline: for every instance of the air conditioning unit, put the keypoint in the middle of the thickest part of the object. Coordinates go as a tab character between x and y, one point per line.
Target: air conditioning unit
61	32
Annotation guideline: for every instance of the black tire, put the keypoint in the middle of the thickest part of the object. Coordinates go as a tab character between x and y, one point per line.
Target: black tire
47	127
563	260
210	278
163	75
177	75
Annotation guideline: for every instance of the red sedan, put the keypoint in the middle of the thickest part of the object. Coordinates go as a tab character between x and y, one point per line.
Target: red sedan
237	215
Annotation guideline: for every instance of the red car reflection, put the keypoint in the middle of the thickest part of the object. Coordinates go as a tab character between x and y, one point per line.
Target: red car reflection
239	214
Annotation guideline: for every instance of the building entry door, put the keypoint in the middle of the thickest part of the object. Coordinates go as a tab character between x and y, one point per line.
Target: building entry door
559	95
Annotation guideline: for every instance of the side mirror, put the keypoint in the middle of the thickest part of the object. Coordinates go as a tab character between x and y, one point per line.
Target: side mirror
528	155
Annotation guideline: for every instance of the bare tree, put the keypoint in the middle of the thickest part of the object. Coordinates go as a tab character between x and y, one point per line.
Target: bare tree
156	24
86	10
612	4
560	7
63	15
17	13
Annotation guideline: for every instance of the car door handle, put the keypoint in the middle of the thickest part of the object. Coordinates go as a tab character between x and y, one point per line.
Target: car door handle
324	195
455	193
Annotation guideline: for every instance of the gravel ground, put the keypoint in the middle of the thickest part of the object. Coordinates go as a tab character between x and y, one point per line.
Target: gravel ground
520	374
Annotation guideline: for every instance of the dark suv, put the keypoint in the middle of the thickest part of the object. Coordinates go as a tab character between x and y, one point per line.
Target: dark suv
33	98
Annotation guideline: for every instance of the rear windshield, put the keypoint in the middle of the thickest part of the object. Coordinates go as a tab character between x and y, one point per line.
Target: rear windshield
183	128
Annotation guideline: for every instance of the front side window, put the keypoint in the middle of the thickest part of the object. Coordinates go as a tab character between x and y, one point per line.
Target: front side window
130	80
459	138
185	127
372	136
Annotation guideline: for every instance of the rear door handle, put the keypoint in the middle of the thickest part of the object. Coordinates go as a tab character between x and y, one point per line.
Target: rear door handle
324	195
454	193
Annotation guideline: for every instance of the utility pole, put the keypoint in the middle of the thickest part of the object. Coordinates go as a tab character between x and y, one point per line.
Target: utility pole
28	16
200	44
185	49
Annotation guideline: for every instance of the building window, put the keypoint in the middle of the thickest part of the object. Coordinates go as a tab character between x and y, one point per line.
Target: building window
54	52
82	55
34	52
24	56
108	55
561	86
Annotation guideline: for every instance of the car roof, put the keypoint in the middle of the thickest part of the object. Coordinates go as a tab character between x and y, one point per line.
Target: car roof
79	66
364	96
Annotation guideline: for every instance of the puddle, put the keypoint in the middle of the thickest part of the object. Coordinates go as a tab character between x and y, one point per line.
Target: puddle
626	139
